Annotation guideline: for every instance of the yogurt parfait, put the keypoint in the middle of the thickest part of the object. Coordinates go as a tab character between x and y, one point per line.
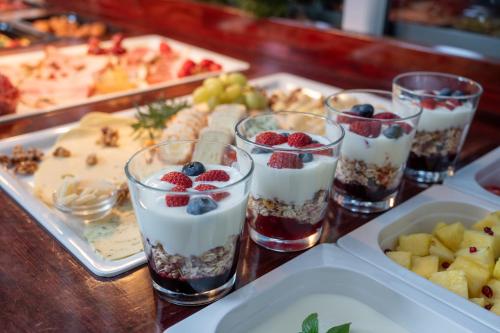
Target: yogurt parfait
191	216
294	171
376	145
448	104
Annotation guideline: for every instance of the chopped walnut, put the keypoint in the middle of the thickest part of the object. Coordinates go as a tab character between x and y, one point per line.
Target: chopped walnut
26	168
91	160
109	137
61	152
4	160
122	195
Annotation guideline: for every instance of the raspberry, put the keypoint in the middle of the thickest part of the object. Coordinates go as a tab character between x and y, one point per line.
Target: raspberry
177	178
326	152
213	176
208	187
487	291
280	160
177	200
270	139
428	103
472	249
386	115
299	139
346	119
369	129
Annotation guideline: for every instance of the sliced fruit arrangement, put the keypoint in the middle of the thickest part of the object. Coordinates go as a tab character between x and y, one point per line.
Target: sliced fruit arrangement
464	261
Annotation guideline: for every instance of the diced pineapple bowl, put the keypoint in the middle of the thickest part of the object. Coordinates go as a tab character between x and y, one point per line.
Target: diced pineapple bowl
443	242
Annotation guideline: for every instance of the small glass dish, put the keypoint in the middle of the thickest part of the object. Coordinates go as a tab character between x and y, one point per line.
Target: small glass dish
88	210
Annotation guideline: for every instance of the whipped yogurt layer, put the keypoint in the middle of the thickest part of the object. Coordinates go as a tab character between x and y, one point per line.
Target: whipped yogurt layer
182	233
442	118
380	150
292	186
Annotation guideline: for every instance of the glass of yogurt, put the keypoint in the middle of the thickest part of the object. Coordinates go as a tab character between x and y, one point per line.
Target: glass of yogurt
448	103
375	148
295	156
190	200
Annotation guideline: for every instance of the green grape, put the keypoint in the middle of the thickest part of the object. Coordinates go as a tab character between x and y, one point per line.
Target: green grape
214	87
232	92
255	100
237	78
224	79
240	100
213	102
201	95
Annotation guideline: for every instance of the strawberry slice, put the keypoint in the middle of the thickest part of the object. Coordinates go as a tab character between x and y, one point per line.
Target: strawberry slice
213	176
281	160
177	178
270	139
428	103
215	196
346	119
369	129
299	139
177	200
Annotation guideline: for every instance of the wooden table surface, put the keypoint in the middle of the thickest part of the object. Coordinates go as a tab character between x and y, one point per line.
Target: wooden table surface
44	288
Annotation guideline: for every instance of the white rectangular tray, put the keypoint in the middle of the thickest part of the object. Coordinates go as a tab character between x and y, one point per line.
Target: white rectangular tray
483	171
327	269
153	41
68	233
421	214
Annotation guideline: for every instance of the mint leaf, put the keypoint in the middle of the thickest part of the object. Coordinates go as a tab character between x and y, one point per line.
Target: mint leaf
345	328
310	324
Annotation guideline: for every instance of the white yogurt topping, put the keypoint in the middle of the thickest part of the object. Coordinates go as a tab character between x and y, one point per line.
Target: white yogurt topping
333	310
183	233
293	185
442	118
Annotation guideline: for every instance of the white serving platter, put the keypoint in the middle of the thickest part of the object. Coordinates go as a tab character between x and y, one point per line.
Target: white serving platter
421	214
152	41
68	232
481	172
327	269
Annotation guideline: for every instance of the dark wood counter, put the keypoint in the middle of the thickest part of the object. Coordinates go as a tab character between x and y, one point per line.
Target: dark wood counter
43	288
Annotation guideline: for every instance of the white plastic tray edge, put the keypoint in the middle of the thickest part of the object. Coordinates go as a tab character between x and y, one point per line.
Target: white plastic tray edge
363	243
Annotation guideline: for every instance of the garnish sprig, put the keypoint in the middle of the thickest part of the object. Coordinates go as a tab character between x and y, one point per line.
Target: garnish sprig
155	117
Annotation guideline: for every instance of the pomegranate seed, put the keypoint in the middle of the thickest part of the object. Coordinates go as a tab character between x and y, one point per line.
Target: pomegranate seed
387	251
488	306
488	231
445	265
472	249
487	291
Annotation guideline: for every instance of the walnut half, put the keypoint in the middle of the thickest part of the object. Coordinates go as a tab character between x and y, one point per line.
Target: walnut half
109	137
61	152
91	159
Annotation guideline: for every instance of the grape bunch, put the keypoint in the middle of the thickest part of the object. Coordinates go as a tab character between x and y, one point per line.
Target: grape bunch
227	89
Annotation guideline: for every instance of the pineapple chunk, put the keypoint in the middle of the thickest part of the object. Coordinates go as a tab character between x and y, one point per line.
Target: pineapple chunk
442	252
491	220
477	275
479	301
480	239
496	270
496	309
425	266
494	284
483	256
400	257
451	235
453	280
417	244
438	226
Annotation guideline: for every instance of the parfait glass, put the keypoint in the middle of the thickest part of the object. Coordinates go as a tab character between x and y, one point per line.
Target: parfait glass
190	206
376	146
449	103
295	156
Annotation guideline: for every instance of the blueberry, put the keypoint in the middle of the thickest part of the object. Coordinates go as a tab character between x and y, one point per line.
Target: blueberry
314	141
193	169
306	157
393	132
458	93
444	92
258	150
363	110
285	134
201	205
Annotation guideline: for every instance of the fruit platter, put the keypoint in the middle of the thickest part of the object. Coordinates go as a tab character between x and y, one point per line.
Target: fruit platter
55	78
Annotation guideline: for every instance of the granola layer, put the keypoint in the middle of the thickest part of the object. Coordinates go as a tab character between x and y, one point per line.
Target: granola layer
369	175
211	263
310	212
442	142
